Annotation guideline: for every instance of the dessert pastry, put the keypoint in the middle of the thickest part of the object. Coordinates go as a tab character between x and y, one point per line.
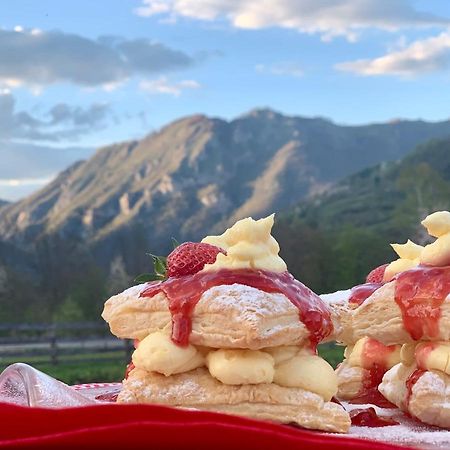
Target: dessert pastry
230	330
366	359
420	384
412	309
362	370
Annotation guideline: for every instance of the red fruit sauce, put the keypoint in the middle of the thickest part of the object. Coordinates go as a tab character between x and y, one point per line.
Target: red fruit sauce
374	360
129	368
108	397
368	417
419	293
359	294
184	293
422	352
410	382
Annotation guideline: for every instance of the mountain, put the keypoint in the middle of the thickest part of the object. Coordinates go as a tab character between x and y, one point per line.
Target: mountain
334	238
199	174
92	225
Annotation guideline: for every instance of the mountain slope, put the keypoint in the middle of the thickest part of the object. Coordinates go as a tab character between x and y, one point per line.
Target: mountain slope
331	241
388	197
196	176
77	240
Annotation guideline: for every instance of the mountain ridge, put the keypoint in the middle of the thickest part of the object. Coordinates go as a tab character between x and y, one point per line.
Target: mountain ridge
84	235
199	173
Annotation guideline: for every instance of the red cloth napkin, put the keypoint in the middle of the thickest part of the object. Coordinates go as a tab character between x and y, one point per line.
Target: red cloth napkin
157	427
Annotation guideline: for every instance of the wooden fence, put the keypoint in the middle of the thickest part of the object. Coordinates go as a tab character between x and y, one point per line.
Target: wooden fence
61	343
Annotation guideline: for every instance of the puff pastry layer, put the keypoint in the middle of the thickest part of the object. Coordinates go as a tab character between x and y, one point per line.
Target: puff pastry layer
430	395
234	316
197	389
350	380
380	318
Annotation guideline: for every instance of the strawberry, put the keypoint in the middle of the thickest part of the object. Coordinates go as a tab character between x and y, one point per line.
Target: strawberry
190	258
377	274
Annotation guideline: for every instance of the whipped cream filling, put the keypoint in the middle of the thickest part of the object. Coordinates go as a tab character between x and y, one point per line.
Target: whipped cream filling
288	366
409	254
427	355
357	355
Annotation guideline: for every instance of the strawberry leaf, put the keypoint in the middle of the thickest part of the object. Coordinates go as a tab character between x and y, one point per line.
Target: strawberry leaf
175	243
160	266
145	277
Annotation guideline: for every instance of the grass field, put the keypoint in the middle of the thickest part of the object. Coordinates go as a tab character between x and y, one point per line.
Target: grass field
110	366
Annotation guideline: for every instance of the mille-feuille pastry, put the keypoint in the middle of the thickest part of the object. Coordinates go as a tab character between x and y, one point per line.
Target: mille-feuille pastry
236	335
420	384
366	360
412	309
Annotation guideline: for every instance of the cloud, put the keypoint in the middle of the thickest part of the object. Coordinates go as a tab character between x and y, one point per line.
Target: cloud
419	58
163	86
14	189
287	68
62	121
38	58
17	182
329	18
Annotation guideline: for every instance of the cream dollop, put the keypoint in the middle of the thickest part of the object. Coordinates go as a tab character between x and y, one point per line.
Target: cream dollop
309	372
285	352
157	353
433	356
241	366
438	252
357	356
407	353
409	257
437	224
427	355
249	245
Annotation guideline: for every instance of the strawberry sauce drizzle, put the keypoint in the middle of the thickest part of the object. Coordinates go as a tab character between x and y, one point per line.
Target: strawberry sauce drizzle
422	353
419	293
410	382
368	417
184	293
359	294
374	360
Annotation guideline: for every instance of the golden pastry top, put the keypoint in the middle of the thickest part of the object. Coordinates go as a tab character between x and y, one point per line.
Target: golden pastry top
249	245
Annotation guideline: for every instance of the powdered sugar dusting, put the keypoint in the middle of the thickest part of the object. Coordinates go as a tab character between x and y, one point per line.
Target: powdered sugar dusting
336	297
408	432
248	300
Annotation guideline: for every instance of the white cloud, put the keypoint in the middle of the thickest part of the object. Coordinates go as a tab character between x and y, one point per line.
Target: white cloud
286	68
36	58
329	18
17	182
164	86
419	58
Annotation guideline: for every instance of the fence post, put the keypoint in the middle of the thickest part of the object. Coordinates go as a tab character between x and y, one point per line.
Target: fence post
53	346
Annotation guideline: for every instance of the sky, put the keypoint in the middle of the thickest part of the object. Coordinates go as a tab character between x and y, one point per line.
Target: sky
78	74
